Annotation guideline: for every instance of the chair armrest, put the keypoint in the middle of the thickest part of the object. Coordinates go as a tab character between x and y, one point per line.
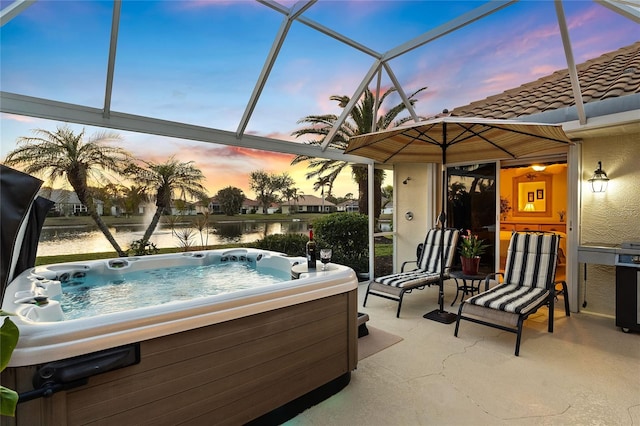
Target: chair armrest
494	276
555	283
408	262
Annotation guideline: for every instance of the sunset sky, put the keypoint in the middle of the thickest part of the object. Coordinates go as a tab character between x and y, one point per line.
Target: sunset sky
197	62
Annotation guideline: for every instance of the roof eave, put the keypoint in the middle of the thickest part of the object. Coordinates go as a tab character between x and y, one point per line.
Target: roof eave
621	113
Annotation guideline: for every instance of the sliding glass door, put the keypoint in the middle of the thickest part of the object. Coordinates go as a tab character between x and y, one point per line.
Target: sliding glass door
471	205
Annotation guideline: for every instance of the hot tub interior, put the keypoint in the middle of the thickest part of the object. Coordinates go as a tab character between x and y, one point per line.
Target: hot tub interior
78	290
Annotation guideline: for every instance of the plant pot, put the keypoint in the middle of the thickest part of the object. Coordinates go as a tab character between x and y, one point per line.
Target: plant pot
470	265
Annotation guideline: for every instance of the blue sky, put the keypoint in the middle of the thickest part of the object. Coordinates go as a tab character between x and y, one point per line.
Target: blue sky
197	62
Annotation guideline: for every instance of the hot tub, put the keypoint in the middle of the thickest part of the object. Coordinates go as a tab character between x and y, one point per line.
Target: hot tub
228	357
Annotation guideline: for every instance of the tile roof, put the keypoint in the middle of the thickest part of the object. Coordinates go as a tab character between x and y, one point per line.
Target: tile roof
308	200
611	75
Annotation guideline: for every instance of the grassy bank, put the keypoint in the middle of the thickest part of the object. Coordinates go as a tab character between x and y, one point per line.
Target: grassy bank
212	219
139	220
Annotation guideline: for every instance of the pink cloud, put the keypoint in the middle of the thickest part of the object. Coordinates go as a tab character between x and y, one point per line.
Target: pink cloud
543	70
19	118
501	81
588	17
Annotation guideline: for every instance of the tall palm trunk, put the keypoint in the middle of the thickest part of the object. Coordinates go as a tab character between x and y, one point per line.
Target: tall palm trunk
361	177
79	186
152	226
163	202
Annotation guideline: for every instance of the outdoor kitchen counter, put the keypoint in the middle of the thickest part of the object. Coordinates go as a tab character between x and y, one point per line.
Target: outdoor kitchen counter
605	254
598	253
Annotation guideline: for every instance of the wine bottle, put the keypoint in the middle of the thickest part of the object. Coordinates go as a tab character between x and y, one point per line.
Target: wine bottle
311	250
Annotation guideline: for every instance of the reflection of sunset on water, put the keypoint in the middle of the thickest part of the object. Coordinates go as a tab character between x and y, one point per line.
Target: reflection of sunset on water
77	240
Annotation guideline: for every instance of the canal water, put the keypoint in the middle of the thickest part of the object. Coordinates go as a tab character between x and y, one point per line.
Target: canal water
60	240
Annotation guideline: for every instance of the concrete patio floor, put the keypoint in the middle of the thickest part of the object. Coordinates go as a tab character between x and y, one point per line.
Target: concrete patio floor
586	373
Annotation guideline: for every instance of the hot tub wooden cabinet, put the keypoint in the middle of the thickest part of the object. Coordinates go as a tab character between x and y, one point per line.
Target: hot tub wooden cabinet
226	363
227	373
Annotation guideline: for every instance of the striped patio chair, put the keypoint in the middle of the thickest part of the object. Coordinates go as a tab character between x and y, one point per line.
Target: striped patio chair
427	273
528	284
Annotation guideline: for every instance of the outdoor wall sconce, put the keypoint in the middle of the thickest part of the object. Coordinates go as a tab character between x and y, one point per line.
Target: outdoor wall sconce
406	181
599	180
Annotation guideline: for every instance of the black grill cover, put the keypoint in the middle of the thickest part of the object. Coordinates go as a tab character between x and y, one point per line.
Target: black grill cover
20	208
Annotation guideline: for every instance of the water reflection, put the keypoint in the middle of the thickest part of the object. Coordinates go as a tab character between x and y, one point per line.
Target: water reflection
85	239
230	232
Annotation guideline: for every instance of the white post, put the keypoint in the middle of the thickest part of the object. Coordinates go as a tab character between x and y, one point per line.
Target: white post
372	249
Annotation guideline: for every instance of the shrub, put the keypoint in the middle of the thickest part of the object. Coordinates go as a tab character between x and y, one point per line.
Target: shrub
9	334
290	244
140	248
347	234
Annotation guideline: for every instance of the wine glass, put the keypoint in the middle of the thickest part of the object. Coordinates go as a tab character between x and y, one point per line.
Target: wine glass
325	257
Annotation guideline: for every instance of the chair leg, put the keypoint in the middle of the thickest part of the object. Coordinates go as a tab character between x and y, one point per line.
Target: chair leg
366	295
455	332
400	304
519	335
565	294
552	298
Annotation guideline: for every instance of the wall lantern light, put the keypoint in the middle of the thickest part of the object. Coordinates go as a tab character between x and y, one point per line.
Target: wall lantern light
599	180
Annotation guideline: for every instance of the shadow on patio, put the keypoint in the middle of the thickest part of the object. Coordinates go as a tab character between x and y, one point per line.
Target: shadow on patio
586	372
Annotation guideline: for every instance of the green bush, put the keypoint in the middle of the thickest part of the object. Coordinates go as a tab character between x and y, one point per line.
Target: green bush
9	334
290	244
140	248
347	234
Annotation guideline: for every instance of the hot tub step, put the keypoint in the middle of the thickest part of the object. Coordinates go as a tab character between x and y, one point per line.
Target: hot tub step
362	324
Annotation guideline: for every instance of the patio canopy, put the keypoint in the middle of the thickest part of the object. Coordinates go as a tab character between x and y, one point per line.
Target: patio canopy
459	139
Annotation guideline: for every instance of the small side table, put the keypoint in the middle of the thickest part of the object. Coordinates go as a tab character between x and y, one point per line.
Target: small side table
467	287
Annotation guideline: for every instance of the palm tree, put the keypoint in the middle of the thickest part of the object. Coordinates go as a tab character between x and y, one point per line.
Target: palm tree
133	196
166	179
267	186
291	193
64	154
360	122
387	193
321	182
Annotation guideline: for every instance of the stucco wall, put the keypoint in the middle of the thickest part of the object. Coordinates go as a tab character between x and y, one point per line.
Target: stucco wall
610	217
412	197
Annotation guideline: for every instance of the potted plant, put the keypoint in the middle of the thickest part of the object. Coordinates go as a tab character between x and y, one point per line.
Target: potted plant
9	335
471	247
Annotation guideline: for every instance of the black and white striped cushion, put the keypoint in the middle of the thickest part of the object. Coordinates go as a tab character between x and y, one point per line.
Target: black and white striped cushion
510	298
430	257
531	259
429	262
408	279
530	270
